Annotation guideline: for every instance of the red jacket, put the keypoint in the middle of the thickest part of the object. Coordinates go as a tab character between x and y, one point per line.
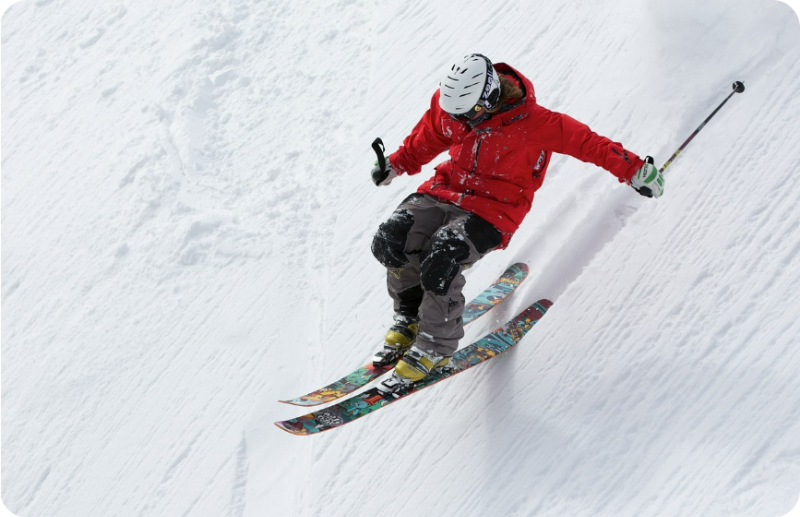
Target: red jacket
495	168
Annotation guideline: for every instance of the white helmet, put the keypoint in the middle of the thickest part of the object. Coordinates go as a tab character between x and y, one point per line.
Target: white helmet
470	84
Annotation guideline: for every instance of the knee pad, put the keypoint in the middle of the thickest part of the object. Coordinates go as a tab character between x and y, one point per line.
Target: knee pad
390	240
440	261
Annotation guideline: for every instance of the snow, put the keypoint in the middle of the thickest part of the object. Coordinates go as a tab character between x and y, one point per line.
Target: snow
187	215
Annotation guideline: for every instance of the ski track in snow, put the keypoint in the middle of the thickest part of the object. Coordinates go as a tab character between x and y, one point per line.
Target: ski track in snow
187	221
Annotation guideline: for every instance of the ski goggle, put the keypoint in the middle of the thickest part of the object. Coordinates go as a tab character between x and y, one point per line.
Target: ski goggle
472	114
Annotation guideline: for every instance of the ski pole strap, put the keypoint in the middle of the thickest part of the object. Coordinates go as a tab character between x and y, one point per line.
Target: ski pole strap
738	87
379	175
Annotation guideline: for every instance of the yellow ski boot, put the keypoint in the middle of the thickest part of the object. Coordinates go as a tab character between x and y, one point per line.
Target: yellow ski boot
417	364
399	339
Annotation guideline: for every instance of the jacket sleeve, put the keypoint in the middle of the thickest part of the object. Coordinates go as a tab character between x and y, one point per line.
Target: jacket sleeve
563	134
426	142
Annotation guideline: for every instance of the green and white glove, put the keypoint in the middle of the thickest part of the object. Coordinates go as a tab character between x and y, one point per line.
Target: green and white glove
648	180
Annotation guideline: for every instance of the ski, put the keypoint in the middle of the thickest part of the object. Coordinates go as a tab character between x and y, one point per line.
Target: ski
491	296
375	398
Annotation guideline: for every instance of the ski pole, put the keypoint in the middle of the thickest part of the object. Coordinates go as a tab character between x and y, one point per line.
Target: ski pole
738	87
379	175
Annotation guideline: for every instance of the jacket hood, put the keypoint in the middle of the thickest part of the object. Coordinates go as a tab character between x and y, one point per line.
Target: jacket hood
503	68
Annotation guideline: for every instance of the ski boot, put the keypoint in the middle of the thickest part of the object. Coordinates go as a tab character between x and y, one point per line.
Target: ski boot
399	339
414	367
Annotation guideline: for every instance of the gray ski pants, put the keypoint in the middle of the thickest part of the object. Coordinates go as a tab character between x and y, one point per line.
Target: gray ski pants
426	245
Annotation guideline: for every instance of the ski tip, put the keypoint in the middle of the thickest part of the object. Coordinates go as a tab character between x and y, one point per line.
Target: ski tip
302	426
283	427
297	402
521	266
293	427
308	402
515	273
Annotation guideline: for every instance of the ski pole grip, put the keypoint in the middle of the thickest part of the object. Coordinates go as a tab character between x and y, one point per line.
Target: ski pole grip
381	174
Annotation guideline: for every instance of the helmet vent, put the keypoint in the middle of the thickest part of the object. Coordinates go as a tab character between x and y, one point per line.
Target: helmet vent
464	85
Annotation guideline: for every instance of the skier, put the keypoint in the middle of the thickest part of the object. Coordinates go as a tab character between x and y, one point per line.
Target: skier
500	143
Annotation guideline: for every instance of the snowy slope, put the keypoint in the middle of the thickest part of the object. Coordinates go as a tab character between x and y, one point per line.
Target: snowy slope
186	225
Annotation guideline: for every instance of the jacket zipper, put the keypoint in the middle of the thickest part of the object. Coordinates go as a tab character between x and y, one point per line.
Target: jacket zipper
474	168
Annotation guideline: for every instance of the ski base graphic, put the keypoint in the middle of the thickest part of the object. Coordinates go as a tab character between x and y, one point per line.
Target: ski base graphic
493	295
373	399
